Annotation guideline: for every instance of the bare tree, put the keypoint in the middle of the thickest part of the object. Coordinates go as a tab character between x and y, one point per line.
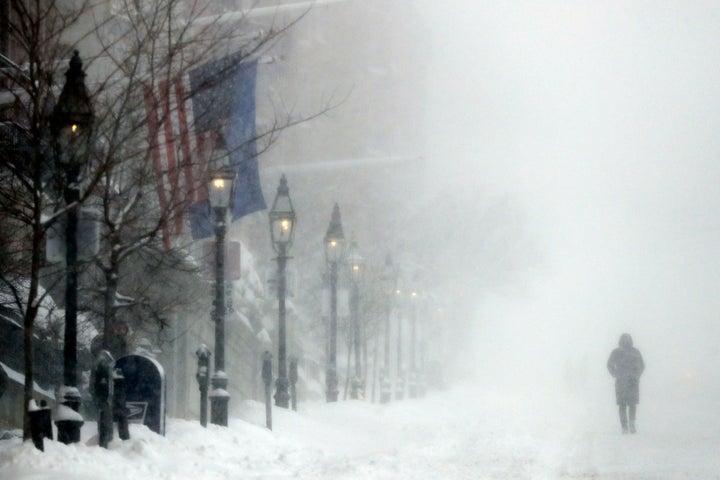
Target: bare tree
135	52
28	192
149	50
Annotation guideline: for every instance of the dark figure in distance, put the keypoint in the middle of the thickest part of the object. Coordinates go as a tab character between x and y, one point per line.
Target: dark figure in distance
626	365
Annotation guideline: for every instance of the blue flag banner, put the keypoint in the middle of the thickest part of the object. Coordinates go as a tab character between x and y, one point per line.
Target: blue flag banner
223	102
183	133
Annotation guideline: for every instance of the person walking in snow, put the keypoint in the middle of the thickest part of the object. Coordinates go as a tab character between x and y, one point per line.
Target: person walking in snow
626	365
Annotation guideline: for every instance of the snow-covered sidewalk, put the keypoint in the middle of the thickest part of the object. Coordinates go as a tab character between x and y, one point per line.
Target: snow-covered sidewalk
462	433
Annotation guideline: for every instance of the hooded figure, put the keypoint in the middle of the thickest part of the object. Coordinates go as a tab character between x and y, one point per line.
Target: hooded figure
626	365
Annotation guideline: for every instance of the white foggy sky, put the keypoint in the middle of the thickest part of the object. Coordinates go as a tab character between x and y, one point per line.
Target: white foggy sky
601	120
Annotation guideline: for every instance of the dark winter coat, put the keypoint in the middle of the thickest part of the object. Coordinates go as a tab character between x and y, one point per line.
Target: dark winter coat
626	365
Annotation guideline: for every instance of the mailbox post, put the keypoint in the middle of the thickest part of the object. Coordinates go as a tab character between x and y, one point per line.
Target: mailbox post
267	380
293	381
203	379
40	423
102	391
120	411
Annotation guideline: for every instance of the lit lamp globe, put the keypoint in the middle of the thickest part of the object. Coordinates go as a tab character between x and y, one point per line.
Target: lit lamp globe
334	238
72	117
220	189
356	262
282	218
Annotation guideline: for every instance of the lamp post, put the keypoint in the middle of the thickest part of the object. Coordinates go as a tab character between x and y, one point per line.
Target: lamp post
413	380
388	284
220	194
71	128
357	266
400	376
334	242
282	227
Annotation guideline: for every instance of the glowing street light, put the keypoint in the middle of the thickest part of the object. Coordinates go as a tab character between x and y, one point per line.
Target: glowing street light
334	245
282	227
220	194
71	127
357	267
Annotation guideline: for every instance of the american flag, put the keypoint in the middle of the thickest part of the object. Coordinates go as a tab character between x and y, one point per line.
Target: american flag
185	117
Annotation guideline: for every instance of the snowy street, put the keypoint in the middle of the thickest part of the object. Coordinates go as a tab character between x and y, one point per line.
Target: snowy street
462	433
285	197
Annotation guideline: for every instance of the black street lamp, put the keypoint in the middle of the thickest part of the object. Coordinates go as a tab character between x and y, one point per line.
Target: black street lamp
357	267
220	194
388	280
71	128
334	243
282	227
